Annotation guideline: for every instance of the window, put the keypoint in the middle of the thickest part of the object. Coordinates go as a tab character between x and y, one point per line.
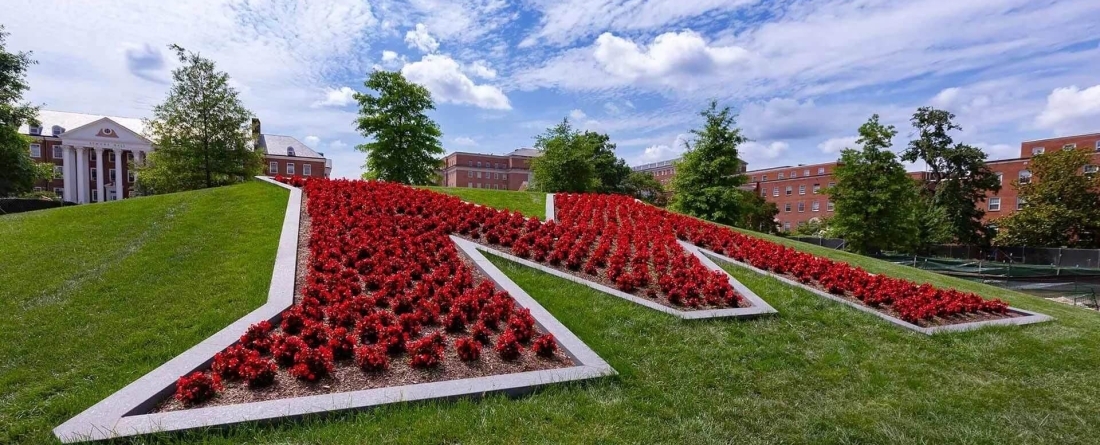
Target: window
780	176
801	207
1069	147
765	177
60	192
763	192
289	151
504	176
36	130
470	184
1038	150
496	175
93	173
787	226
478	175
290	168
91	154
828	206
1021	203
36	151
469	173
832	184
57	153
775	191
821	170
1025	177
478	164
112	175
479	186
1091	169
1097	145
802	189
307	169
794	174
130	154
789	190
754	177
471	163
994	204
815	206
57	130
273	167
95	195
58	171
38	189
817	188
787	207
1000	178
806	172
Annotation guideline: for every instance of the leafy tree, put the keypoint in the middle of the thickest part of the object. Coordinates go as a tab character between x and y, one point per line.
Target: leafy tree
933	224
566	164
958	176
610	170
709	174
1063	205
814	227
17	169
200	131
873	195
406	145
645	187
757	213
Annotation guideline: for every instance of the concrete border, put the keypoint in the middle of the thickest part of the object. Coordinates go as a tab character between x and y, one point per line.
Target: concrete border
1027	317
759	307
550	212
124	412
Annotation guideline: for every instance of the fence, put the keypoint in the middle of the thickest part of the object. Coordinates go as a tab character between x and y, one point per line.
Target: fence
1045	256
19	205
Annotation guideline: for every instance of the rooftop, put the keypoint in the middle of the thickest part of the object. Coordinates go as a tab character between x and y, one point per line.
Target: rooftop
68	121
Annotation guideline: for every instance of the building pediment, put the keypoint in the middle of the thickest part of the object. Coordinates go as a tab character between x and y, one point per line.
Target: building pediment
105	133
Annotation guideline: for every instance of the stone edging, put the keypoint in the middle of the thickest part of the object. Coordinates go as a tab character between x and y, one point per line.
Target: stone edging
123	413
550	207
1027	318
759	306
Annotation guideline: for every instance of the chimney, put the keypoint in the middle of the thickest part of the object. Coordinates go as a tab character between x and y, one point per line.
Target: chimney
255	133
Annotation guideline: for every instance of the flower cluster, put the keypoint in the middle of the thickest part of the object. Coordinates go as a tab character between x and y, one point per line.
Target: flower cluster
197	387
910	301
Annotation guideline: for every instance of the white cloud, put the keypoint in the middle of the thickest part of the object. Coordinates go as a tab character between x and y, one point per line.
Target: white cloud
443	76
312	141
481	69
577	115
337	97
565	21
670	55
419	38
756	152
388	56
945	98
1071	110
999	151
465	141
337	145
835	145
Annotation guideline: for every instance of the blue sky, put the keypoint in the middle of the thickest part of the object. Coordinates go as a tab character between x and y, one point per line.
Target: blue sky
803	74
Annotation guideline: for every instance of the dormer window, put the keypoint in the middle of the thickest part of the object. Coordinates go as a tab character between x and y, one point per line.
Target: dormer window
290	151
57	130
36	130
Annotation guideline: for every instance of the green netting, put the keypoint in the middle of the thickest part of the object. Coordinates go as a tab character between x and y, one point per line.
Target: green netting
989	269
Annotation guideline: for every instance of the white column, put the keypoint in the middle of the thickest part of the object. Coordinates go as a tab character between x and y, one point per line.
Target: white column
99	191
120	159
82	175
66	177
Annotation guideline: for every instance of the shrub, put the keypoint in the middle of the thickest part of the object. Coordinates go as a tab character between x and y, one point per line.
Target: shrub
545	346
258	371
258	337
286	348
310	364
469	348
508	346
227	363
315	334
427	352
197	388
481	333
522	324
371	358
342	343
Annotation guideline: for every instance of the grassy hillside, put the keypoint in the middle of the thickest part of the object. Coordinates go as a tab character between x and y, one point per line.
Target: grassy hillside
95	296
527	203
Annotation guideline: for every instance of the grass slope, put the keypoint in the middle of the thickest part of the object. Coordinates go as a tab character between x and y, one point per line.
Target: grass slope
527	203
95	296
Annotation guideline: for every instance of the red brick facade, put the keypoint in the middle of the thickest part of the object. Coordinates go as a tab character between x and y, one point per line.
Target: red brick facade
497	172
287	166
47	152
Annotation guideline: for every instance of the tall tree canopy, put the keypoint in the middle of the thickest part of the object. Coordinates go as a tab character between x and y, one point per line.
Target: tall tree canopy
1062	205
873	195
17	168
644	186
567	163
200	132
958	177
610	170
406	146
709	175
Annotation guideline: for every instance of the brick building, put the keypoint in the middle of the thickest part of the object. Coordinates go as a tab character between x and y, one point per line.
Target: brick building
797	190
498	172
113	145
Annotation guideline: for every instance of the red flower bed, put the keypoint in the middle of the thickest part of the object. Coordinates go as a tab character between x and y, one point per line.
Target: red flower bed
922	304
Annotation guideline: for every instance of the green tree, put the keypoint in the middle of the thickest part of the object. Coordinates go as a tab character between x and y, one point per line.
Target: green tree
818	227
406	146
1063	205
17	168
200	131
610	170
644	186
958	177
709	175
757	213
566	164
873	195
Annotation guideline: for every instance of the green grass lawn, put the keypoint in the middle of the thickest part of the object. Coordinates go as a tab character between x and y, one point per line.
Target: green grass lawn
95	296
817	372
527	203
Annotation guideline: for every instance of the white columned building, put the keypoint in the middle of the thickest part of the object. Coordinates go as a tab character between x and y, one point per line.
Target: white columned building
113	144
